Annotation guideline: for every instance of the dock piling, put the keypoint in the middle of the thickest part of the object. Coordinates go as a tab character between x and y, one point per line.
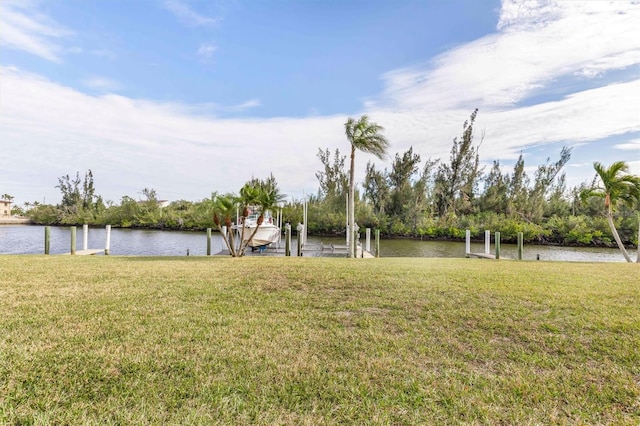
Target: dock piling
107	245
85	236
520	244
287	239
467	240
377	243
300	229
73	240
47	239
497	245
368	239
208	241
487	241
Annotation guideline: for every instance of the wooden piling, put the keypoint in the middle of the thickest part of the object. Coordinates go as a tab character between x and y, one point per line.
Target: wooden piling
377	243
287	239
299	239
73	240
487	241
85	237
497	242
107	245
467	241
520	243
47	239
368	239
208	241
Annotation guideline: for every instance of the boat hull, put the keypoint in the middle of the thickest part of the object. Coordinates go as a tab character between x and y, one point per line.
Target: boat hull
267	234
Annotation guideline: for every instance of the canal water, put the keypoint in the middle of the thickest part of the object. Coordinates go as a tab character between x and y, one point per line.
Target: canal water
29	239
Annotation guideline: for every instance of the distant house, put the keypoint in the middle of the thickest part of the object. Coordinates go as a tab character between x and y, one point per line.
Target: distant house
5	208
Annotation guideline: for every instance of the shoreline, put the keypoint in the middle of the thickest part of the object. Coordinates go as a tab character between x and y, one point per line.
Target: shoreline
12	220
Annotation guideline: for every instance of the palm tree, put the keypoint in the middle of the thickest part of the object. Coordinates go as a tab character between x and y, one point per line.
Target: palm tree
617	186
366	137
263	195
224	207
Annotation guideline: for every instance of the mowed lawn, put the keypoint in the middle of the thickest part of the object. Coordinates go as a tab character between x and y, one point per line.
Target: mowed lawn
314	341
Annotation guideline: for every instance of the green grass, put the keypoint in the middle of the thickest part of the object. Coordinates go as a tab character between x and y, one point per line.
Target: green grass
313	341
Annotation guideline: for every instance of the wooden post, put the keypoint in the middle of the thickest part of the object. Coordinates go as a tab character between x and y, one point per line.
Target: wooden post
368	239
304	220
355	243
208	241
73	240
85	237
487	241
377	243
299	239
467	240
107	245
287	239
47	239
520	242
497	245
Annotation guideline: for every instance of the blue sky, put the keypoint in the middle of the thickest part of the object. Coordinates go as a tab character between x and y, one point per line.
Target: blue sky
188	97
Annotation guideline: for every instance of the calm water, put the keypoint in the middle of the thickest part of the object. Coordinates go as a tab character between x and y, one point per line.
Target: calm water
21	239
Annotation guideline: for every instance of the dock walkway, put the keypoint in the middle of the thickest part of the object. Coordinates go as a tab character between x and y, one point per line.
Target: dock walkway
87	252
313	250
485	256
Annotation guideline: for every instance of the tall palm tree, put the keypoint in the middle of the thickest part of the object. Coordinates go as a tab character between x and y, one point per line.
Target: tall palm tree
366	137
617	186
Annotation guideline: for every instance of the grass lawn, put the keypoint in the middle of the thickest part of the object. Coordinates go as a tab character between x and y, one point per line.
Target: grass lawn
315	341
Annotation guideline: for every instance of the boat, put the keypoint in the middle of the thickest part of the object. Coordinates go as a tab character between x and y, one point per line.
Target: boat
267	233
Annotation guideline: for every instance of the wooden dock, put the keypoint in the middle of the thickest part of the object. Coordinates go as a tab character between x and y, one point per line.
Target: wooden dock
313	250
485	256
87	252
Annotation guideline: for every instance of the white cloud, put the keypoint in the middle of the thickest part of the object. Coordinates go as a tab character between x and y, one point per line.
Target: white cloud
132	144
632	145
187	15
24	28
206	51
504	68
102	84
251	103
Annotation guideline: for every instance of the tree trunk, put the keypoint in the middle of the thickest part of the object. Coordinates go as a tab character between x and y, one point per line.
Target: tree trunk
352	212
226	241
614	231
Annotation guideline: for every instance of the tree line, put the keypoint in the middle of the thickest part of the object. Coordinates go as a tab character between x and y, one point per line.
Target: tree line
414	198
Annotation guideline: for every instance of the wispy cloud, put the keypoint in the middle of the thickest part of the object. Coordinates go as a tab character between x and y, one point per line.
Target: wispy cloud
24	28
206	51
251	103
104	53
632	145
101	84
504	68
126	142
187	15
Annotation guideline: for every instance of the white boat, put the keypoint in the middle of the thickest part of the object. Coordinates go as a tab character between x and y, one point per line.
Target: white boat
267	233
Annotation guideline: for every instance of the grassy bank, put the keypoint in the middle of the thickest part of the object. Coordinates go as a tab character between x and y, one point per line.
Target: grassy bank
135	340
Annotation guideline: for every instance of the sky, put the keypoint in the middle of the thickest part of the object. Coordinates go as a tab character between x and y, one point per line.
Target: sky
188	97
